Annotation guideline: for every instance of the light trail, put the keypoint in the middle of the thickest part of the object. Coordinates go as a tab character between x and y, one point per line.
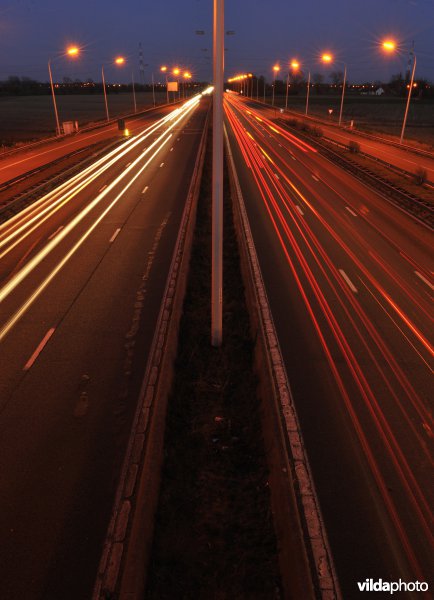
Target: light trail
158	144
268	190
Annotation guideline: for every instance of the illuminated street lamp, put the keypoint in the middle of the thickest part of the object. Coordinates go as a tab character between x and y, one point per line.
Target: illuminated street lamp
276	69
163	69
72	51
119	60
294	66
187	76
391	46
176	71
328	58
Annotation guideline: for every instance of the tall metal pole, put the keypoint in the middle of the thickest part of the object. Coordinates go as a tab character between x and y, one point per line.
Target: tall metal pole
287	86
167	91
410	89
134	92
153	90
307	93
217	178
274	85
54	98
105	94
343	94
257	88
264	90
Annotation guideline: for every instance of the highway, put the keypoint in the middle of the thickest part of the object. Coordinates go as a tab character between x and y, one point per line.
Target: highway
82	273
403	159
33	156
349	280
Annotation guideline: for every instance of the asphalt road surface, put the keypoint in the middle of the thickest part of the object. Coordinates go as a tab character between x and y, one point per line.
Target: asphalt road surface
82	273
349	279
401	158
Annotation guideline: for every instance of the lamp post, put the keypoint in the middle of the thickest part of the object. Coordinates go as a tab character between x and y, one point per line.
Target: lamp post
71	51
307	92
176	71
217	177
328	58
119	60
163	69
187	76
295	65
276	69
390	46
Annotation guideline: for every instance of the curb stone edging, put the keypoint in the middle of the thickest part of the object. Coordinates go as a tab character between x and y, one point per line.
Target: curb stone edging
272	371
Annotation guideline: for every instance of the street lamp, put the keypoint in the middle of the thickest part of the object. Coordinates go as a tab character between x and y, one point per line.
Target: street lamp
328	58
390	46
176	71
72	51
294	65
163	69
276	69
119	60
187	76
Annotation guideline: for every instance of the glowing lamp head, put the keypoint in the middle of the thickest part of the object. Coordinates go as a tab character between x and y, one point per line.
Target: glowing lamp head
327	58
295	64
120	60
73	51
176	71
276	68
163	69
389	45
187	75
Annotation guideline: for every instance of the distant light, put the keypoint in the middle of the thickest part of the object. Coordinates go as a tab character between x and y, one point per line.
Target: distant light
276	68
120	60
73	51
389	45
126	132
187	75
176	71
163	68
295	64
327	58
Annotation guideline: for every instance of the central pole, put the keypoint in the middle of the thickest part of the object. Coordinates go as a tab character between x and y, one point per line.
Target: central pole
217	178
343	94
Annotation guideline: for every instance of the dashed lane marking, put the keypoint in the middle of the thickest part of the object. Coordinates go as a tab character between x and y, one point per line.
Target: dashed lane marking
348	281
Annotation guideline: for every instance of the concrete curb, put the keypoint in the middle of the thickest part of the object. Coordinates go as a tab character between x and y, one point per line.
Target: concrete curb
122	570
305	558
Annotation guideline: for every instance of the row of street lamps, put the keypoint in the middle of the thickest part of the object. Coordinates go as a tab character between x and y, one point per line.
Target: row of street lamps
74	52
176	71
389	46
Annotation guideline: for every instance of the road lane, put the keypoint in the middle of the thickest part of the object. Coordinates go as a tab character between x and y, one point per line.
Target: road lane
355	327
401	158
72	363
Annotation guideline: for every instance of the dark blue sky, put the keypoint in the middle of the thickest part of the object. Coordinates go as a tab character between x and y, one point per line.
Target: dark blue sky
266	31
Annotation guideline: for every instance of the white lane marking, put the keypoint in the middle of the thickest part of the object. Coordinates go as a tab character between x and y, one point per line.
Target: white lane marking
39	349
425	280
162	165
276	176
178	139
314	177
293	157
55	233
348	280
103	188
280	145
299	210
115	235
145	189
127	165
351	211
171	149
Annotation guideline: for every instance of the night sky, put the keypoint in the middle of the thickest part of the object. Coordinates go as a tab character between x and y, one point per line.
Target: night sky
266	31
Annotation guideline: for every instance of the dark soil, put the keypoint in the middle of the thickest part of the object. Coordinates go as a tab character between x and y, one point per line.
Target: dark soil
214	536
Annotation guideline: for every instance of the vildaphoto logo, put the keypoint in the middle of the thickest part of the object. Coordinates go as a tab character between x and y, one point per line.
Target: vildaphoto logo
371	585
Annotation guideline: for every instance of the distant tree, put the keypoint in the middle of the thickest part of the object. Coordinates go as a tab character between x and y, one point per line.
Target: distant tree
397	84
67	80
336	77
317	78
